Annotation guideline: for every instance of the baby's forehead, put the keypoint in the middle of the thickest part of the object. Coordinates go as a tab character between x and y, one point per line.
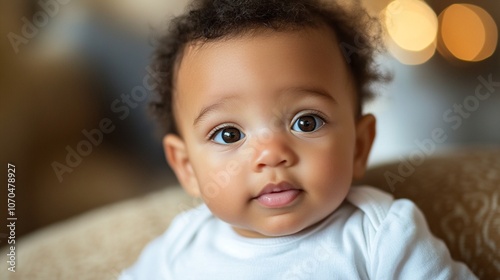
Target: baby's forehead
320	44
256	39
310	57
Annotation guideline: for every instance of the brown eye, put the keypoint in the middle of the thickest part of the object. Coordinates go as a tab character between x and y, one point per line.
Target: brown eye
227	136
307	123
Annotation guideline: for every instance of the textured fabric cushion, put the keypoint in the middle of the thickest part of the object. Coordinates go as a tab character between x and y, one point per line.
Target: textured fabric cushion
99	244
459	194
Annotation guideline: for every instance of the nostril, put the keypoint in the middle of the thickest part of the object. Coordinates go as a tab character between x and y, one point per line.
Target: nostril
274	154
272	163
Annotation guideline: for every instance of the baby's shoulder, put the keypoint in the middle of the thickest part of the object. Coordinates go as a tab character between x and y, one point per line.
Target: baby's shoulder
379	207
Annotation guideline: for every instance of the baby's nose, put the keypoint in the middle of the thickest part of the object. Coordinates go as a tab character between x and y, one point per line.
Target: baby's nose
277	151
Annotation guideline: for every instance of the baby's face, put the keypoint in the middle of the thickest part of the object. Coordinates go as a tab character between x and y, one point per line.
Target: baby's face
270	138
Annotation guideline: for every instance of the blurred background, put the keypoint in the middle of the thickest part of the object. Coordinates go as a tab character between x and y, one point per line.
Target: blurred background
75	83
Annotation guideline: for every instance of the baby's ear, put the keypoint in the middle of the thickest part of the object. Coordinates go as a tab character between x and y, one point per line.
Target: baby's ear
365	134
178	159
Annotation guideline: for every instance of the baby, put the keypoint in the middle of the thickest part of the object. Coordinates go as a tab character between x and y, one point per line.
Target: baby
262	101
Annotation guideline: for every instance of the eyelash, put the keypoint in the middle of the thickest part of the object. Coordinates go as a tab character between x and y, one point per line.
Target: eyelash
216	129
310	112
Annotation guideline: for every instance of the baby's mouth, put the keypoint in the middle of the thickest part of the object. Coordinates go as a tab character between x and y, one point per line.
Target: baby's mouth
278	195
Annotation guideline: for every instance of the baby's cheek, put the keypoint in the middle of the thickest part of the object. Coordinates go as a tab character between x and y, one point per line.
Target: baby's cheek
329	174
222	185
230	207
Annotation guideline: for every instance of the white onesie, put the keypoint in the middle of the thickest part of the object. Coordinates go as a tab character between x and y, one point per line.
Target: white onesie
371	236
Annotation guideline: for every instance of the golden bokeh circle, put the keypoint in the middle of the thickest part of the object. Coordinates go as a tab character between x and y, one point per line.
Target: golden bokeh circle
467	32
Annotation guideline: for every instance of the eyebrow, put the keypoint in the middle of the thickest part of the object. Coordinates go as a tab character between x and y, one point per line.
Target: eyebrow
212	107
316	91
205	111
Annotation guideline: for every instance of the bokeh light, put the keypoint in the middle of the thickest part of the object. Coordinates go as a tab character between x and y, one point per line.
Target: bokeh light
410	57
412	24
412	28
467	32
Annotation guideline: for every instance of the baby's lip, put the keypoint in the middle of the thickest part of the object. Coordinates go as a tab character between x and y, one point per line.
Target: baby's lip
275	188
277	196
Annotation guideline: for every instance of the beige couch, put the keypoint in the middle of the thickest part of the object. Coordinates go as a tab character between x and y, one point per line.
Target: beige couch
458	192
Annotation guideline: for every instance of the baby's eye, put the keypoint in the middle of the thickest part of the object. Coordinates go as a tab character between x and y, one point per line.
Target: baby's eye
227	135
307	123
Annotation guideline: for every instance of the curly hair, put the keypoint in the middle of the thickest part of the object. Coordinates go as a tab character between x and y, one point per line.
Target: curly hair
210	20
